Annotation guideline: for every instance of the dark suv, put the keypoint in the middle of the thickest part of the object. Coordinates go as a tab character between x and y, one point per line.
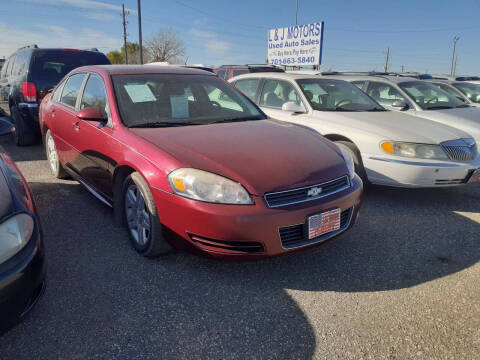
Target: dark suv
28	75
229	71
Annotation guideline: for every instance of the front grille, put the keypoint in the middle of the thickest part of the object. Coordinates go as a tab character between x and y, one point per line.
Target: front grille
296	235
462	150
230	247
299	195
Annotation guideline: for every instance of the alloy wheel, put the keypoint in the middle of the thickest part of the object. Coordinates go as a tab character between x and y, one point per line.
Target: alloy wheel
52	154
138	217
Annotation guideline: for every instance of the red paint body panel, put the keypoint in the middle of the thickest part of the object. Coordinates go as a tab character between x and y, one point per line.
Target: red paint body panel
264	156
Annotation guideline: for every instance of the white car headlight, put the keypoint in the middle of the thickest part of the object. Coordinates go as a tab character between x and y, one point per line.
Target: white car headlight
14	235
422	151
349	161
205	186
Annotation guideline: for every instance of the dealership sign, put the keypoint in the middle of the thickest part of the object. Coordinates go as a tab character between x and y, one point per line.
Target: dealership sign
297	45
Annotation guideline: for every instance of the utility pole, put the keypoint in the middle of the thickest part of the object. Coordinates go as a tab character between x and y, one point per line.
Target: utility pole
124	15
455	66
385	68
455	39
296	15
140	31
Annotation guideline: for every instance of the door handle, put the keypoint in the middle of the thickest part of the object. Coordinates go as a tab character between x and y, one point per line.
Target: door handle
76	125
53	113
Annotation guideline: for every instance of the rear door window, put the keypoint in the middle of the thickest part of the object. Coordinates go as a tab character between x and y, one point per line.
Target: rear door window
58	92
359	84
222	74
50	66
239	72
11	62
277	92
248	87
71	90
384	94
21	65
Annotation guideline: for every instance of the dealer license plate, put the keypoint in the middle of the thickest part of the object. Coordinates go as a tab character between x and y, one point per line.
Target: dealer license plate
475	177
323	223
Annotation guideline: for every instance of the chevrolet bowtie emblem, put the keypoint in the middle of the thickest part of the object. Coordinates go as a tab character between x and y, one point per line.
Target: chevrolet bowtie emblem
314	191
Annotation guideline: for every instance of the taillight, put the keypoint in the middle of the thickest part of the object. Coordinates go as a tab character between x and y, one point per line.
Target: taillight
29	92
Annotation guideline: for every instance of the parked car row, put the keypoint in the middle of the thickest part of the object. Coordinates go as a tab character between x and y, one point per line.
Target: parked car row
408	148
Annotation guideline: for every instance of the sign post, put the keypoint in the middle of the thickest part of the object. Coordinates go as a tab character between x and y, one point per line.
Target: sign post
298	45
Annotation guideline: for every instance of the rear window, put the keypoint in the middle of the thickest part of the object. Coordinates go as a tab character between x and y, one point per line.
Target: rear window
49	67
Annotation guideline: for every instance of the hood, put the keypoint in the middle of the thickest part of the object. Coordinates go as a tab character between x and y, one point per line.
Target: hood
466	119
263	156
396	126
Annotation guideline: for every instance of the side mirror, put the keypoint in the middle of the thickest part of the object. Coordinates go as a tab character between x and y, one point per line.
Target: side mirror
400	105
293	107
91	114
6	128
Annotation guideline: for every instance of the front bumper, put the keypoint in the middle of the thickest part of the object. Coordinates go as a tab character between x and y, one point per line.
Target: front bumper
406	172
231	231
22	282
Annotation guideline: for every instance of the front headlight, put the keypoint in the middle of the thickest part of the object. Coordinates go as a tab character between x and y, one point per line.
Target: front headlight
348	161
14	235
205	186
422	151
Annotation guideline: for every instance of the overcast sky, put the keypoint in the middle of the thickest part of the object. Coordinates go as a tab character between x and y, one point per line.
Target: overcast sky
357	33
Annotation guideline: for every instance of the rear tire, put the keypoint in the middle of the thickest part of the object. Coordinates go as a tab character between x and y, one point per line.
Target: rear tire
21	135
141	217
357	159
52	156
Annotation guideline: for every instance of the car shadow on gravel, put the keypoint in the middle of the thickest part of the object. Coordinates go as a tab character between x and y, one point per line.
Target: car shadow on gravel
105	301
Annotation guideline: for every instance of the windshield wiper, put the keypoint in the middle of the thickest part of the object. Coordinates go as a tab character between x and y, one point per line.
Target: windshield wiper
343	109
163	124
234	120
463	106
440	107
377	109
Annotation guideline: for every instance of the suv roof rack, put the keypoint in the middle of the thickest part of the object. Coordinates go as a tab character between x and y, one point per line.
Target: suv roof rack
91	49
31	46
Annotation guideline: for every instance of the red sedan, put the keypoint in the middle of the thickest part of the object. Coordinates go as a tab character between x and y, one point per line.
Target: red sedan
181	155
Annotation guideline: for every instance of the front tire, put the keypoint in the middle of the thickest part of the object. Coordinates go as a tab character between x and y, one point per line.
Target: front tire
141	217
52	156
357	159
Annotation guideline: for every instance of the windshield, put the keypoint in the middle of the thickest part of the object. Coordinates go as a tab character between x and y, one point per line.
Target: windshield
336	95
162	100
471	90
430	97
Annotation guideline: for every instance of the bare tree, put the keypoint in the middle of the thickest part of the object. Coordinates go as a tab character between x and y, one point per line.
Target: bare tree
165	46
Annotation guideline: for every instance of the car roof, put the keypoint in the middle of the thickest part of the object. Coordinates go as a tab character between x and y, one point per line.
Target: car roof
385	78
276	75
143	69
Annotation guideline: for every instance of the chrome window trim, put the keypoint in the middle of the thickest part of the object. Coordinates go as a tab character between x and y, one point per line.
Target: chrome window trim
321	238
349	184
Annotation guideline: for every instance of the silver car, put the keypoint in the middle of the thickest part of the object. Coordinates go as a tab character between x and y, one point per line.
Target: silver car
388	147
419	98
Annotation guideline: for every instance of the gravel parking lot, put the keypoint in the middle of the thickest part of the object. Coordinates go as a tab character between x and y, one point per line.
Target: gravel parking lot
403	284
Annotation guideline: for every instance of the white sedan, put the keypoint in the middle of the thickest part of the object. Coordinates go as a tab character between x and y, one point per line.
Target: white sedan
388	147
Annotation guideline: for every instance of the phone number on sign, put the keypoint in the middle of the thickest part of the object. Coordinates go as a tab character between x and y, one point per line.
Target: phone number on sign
294	61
